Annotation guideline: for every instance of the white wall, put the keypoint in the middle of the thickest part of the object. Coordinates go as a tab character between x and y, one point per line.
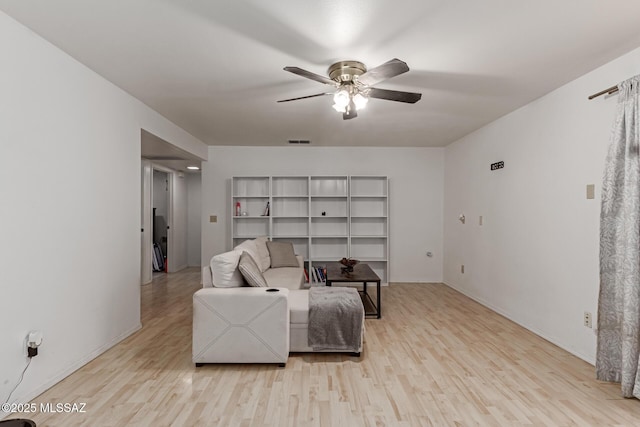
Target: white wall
70	209
416	199
194	218
535	259
161	194
179	223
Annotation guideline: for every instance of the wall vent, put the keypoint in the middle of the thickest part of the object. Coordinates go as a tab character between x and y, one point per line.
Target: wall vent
299	141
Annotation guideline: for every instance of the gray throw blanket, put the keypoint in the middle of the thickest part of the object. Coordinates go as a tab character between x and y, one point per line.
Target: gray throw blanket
335	319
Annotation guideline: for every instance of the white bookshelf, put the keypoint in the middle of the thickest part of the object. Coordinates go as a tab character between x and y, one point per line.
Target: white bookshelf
325	217
369	222
253	194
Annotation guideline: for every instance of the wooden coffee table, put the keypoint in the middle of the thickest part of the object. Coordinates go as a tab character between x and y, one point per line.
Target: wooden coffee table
362	273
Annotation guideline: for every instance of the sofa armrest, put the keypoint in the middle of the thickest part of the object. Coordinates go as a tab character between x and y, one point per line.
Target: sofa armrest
300	259
241	325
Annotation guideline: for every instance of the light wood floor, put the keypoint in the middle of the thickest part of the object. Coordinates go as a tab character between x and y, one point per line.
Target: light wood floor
435	358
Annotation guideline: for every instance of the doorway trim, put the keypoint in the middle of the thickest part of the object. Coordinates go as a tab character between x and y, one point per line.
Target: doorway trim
146	244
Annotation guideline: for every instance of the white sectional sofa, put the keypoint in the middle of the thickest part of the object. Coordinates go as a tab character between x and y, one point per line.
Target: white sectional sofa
233	323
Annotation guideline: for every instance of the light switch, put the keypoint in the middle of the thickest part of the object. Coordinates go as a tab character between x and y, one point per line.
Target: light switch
591	191
213	218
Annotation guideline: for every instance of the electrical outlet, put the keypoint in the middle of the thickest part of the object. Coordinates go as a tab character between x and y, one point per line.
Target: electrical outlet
587	320
462	269
34	339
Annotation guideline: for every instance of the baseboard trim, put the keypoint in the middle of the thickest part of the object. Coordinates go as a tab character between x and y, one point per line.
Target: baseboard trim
32	394
510	316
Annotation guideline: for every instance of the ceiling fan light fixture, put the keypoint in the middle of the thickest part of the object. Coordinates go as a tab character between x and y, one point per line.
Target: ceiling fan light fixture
341	100
360	101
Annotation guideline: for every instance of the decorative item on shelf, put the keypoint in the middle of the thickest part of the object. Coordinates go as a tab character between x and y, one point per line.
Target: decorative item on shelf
244	213
266	210
238	209
324	213
348	263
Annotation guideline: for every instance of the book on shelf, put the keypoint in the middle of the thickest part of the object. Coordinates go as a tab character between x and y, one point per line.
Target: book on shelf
306	275
314	275
320	273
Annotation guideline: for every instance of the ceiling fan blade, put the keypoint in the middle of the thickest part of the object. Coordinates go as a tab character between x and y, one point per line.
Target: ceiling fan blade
394	95
351	114
304	97
310	75
382	72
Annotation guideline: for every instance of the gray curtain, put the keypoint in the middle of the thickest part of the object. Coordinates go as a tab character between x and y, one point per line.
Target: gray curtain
619	299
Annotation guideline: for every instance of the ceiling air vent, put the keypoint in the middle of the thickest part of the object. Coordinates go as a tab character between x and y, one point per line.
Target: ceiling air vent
299	141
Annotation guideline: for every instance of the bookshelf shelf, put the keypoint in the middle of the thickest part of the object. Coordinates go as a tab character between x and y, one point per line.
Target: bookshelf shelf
325	217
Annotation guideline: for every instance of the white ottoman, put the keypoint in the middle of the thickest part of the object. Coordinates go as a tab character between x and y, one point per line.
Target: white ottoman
240	325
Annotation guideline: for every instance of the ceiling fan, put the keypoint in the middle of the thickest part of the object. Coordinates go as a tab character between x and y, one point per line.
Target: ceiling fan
353	83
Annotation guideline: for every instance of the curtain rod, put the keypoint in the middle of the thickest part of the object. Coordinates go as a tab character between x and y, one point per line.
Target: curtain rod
609	91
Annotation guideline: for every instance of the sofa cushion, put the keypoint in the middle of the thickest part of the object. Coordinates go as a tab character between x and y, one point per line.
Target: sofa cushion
250	271
285	277
251	248
224	270
282	254
263	253
299	306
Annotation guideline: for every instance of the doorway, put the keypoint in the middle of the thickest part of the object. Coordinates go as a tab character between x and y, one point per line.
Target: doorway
166	168
157	215
160	221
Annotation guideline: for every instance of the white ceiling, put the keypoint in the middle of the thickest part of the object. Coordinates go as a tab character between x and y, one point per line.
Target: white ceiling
215	67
